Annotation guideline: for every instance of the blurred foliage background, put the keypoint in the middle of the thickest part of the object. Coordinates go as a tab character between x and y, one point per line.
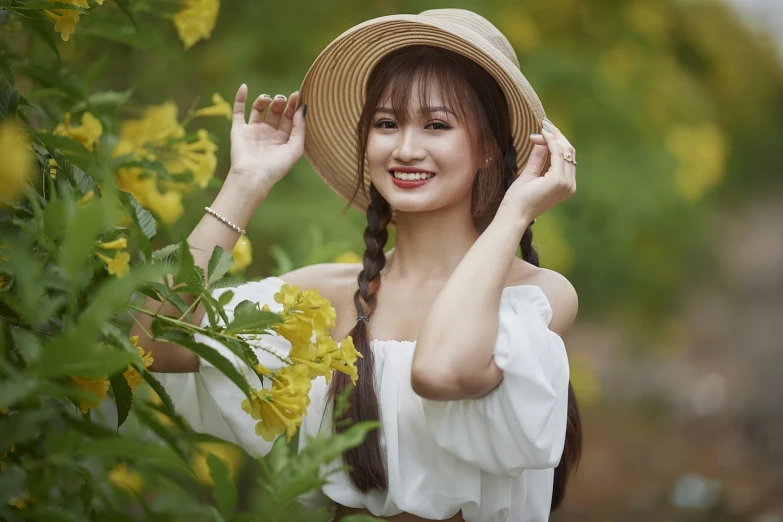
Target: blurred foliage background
673	239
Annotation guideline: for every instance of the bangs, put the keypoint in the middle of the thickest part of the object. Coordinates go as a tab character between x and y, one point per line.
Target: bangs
434	80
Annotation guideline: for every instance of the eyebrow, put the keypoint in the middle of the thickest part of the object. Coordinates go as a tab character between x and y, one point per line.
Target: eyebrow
437	108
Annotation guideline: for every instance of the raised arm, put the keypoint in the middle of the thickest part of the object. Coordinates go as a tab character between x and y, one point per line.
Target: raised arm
263	151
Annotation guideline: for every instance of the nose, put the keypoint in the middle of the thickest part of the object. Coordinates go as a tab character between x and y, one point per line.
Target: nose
408	147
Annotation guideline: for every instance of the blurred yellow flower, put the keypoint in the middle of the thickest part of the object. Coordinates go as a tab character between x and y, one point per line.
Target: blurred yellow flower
700	151
87	133
22	501
119	265
167	206
243	256
97	387
157	124
349	257
162	418
132	376
198	157
118	244
65	20
52	168
16	161
126	479
280	409
195	20
219	107
230	455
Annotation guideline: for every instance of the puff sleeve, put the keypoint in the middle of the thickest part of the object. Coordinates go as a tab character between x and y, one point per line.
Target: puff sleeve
521	424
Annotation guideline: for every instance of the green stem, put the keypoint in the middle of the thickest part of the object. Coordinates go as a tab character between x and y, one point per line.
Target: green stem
191	329
190	308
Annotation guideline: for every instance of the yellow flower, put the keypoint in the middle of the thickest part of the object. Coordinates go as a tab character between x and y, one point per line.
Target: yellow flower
21	501
701	154
167	206
195	20
132	376
52	168
16	161
225	452
97	387
4	410
198	157
243	256
65	21
280	409
87	198
162	418
119	265
349	257
344	360
118	244
126	479
87	134
157	124
220	107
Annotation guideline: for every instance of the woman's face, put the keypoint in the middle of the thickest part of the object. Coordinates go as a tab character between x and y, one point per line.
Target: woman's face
431	145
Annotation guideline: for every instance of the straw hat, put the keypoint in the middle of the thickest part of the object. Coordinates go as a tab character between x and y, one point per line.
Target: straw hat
334	87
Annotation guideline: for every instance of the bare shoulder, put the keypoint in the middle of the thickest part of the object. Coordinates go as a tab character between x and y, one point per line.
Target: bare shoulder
334	281
560	293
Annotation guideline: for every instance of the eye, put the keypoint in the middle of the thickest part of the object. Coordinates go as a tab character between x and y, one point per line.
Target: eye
385	124
438	125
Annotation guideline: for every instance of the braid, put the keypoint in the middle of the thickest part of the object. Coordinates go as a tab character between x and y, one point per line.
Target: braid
368	465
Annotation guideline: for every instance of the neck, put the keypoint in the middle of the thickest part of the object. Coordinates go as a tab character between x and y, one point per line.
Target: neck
430	245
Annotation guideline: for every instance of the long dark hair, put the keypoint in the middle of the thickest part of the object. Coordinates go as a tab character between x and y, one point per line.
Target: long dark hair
481	105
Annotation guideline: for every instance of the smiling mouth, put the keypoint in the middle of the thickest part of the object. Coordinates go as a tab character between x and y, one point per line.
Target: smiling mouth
411	176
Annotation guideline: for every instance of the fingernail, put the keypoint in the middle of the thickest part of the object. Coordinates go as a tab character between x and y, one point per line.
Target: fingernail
280	97
547	129
548	120
265	96
304	111
535	135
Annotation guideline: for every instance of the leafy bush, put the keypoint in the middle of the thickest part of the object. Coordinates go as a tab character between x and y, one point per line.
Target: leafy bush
80	208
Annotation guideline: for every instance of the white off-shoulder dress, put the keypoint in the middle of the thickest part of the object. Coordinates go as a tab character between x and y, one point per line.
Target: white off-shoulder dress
492	457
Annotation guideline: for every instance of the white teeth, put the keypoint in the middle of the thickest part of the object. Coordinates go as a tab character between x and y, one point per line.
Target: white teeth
412	176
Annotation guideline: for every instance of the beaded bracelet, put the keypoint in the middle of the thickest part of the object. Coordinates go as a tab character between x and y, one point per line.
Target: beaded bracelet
224	220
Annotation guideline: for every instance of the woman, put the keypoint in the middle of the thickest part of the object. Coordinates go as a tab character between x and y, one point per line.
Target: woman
479	422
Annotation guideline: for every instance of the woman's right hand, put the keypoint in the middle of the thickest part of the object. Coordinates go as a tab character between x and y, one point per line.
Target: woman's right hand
261	153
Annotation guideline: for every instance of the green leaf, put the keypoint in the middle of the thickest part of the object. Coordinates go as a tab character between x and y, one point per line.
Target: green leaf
75	351
125	7
225	297
23	426
135	451
6	66
73	150
16	390
219	263
161	391
123	396
102	100
248	320
225	492
79	243
212	356
140	215
167	254
74	174
227	282
9	99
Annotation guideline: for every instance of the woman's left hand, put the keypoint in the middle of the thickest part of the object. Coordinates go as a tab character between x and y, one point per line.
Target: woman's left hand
533	193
